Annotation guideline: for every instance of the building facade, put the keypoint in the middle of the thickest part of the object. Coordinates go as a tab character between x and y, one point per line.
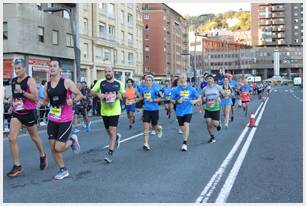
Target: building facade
165	43
277	24
36	36
256	61
111	35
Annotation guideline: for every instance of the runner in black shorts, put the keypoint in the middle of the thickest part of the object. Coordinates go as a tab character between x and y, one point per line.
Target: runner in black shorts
23	110
111	92
59	93
151	97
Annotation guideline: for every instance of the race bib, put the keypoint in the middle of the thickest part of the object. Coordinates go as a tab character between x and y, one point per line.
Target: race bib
227	92
110	98
55	112
129	101
211	103
167	97
184	94
19	105
147	95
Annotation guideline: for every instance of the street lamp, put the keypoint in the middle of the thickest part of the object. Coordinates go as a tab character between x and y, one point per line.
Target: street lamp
76	73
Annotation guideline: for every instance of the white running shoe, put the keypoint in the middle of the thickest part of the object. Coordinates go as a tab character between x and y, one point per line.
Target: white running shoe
75	145
153	132
160	133
184	147
180	131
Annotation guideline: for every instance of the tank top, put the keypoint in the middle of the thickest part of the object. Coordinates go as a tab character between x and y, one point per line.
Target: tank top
227	92
130	95
60	111
23	104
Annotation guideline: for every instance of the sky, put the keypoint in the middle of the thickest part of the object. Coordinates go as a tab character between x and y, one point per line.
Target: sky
195	9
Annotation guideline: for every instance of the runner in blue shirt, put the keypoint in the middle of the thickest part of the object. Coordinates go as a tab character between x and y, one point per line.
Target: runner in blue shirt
151	97
234	85
184	96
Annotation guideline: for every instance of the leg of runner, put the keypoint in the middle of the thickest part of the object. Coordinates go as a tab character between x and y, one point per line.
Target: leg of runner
232	109
227	113
36	139
87	121
146	127
210	128
75	123
185	136
114	141
14	131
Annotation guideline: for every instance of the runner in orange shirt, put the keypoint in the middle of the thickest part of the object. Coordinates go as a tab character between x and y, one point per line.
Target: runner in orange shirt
130	101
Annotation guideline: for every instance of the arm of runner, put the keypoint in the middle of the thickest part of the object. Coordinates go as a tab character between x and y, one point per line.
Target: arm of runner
32	95
196	94
72	87
45	101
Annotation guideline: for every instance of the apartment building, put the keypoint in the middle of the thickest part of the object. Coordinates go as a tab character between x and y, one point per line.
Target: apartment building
165	44
37	36
111	35
277	24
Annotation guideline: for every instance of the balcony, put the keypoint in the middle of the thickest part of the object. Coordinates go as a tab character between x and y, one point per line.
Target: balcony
278	15
279	21
278	8
265	23
278	28
280	41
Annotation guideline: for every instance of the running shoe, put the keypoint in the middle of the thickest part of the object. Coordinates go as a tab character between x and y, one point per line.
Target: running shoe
16	171
75	144
212	140
61	174
160	132
108	158
42	124
226	125
153	132
88	127
184	147
118	139
43	162
130	126
180	131
232	118
146	147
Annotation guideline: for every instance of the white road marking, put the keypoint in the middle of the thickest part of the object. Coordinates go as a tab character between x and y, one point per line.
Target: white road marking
230	180
127	139
211	185
287	90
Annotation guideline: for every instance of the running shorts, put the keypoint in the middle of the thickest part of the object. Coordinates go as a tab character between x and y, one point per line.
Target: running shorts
214	115
110	121
185	118
28	119
59	131
151	116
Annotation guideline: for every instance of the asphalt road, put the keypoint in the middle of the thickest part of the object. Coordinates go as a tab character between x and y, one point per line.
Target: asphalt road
271	170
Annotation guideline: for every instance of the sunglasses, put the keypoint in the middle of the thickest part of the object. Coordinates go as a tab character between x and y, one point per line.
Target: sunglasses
18	61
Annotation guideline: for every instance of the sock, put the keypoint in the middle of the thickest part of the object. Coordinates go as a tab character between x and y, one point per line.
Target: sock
185	142
110	152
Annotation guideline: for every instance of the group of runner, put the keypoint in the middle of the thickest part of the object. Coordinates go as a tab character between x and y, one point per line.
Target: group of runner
64	95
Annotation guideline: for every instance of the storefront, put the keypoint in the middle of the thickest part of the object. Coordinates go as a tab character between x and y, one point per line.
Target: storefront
7	69
39	68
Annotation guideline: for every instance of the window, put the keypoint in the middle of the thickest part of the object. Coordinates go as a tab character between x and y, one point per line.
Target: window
146	16
111	32
130	39
98	53
296	41
115	56
122	57
146	6
106	57
111	10
130	19
147	48
147	58
85	26
102	8
146	27
296	27
122	37
130	58
102	30
122	17
85	51
66	14
69	40
41	34
130	5
296	20
54	37
146	37
5	31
